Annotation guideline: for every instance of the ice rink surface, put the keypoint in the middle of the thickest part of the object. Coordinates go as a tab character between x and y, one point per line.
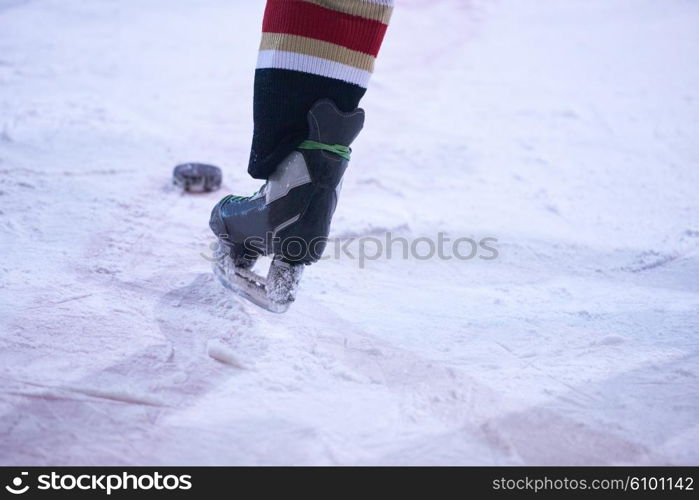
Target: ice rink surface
566	129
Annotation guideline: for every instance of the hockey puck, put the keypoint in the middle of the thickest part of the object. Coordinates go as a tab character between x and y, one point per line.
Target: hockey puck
197	177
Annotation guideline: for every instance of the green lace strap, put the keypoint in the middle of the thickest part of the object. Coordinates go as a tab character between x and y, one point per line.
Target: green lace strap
338	149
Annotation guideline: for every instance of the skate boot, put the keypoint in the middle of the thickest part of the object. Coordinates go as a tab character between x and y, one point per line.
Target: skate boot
289	217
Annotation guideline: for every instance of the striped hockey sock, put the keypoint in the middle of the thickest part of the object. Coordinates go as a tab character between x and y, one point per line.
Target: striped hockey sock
310	49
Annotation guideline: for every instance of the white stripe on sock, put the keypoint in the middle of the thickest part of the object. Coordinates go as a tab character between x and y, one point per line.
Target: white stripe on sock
280	59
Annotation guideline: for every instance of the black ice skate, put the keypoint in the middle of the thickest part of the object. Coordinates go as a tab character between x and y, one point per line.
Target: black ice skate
289	217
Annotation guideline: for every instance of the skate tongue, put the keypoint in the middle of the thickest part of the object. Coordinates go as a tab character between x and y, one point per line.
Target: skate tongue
329	126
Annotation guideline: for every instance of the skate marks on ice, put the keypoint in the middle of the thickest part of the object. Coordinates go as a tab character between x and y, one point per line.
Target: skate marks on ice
675	261
211	324
542	437
478	422
634	323
105	417
433	412
606	415
439	412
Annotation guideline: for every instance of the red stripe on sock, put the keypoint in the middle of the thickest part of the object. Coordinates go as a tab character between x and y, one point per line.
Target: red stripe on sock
294	17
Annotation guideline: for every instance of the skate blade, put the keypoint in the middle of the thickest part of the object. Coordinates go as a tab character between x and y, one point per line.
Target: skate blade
252	287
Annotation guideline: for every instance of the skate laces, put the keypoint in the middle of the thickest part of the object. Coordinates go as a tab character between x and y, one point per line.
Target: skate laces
340	150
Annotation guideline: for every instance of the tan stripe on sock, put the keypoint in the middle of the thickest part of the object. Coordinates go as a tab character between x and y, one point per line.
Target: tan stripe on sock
317	48
363	8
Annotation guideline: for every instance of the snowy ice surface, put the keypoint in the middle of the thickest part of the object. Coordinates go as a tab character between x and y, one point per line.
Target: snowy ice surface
566	129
